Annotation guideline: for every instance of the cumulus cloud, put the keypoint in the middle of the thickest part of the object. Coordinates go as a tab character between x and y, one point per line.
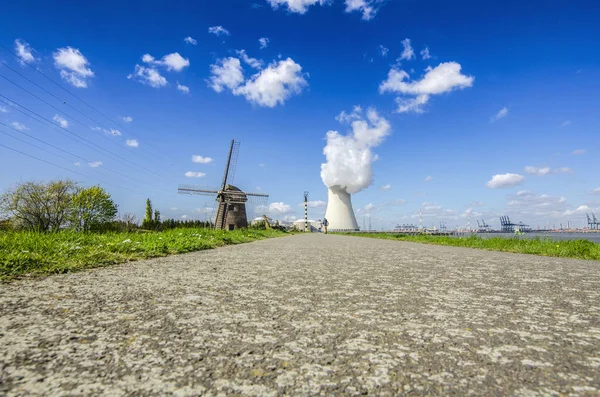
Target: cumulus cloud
596	190
190	40
201	159
73	66
428	178
183	88
24	52
127	119
578	152
149	76
95	164
61	121
408	53
3	109
132	143
171	62
253	62
316	204
386	187
505	180
443	78
425	53
368	8
192	174
501	114
218	31
297	6
108	132
226	73
264	42
383	50
349	157
19	126
277	208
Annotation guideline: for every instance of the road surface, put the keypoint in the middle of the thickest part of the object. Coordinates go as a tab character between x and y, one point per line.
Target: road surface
308	315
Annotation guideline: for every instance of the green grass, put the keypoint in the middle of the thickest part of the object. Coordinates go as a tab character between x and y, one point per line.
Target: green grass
580	249
26	254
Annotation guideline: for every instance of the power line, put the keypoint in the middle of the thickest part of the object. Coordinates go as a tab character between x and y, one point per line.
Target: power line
78	98
10	103
67	152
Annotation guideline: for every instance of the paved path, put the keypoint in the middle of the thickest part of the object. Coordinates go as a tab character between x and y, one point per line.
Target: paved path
308	315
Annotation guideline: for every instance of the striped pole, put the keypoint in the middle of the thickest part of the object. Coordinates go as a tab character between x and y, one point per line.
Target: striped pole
305	211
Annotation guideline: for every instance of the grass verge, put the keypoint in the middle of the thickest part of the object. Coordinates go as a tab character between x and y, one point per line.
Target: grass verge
26	254
579	249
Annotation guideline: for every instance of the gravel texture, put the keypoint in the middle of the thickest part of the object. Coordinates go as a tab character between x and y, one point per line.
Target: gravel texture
308	315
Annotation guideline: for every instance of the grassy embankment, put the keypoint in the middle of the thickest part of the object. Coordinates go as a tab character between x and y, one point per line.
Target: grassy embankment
33	254
580	249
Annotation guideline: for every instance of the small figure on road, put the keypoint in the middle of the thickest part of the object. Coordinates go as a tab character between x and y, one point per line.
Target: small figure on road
320	225
325	224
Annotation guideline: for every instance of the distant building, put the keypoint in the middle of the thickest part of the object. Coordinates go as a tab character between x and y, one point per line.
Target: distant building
313	226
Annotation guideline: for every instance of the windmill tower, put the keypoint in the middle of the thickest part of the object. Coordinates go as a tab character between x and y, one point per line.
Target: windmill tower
231	213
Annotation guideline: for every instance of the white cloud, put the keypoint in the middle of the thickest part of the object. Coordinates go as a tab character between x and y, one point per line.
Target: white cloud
183	88
148	76
95	164
19	126
581	209
408	53
24	51
276	208
171	62
73	66
132	143
201	160
113	132
443	78
578	152
127	119
253	62
537	171
3	109
425	53
77	164
226	73
383	50
192	174
298	6
505	180
264	42
184	217
386	187
547	171
218	30
61	121
596	190
501	113
428	178
190	40
349	157
316	204
274	84
565	123
367	7
344	117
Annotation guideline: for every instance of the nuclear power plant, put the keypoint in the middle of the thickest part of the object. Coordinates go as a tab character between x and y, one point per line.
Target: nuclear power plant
340	213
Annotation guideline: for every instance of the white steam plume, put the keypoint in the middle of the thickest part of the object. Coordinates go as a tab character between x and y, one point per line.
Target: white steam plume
349	157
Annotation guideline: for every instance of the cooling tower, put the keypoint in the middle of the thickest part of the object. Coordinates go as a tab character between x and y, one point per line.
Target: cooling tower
340	214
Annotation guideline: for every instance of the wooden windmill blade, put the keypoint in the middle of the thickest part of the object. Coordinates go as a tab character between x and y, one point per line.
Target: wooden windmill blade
198	190
230	165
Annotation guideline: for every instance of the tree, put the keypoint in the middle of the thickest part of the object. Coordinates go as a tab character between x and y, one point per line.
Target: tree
129	220
38	206
92	208
147	222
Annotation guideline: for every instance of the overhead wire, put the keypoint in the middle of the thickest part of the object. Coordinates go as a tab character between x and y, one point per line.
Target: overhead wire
77	121
80	139
82	100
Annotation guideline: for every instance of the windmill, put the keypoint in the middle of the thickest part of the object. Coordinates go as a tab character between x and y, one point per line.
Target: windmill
231	213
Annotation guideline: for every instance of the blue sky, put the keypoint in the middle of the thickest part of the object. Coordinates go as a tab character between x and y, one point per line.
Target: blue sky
510	85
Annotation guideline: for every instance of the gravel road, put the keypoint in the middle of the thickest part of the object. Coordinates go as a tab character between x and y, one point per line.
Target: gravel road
308	315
